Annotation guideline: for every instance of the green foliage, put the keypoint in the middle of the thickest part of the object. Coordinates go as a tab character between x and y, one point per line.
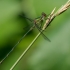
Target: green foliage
43	55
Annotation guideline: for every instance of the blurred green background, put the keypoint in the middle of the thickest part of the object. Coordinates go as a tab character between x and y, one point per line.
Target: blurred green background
43	55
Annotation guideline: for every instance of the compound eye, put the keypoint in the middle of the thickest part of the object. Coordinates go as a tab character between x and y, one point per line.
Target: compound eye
43	14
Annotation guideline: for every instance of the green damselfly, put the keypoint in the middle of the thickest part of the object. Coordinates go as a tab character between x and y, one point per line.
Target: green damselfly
36	21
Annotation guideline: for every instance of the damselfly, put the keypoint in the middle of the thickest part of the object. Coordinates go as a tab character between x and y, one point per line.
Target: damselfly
36	22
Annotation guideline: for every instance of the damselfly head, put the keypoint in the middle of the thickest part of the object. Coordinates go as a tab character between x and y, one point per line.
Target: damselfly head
43	14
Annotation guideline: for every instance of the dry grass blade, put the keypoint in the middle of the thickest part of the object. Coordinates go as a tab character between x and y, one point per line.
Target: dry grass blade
63	8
